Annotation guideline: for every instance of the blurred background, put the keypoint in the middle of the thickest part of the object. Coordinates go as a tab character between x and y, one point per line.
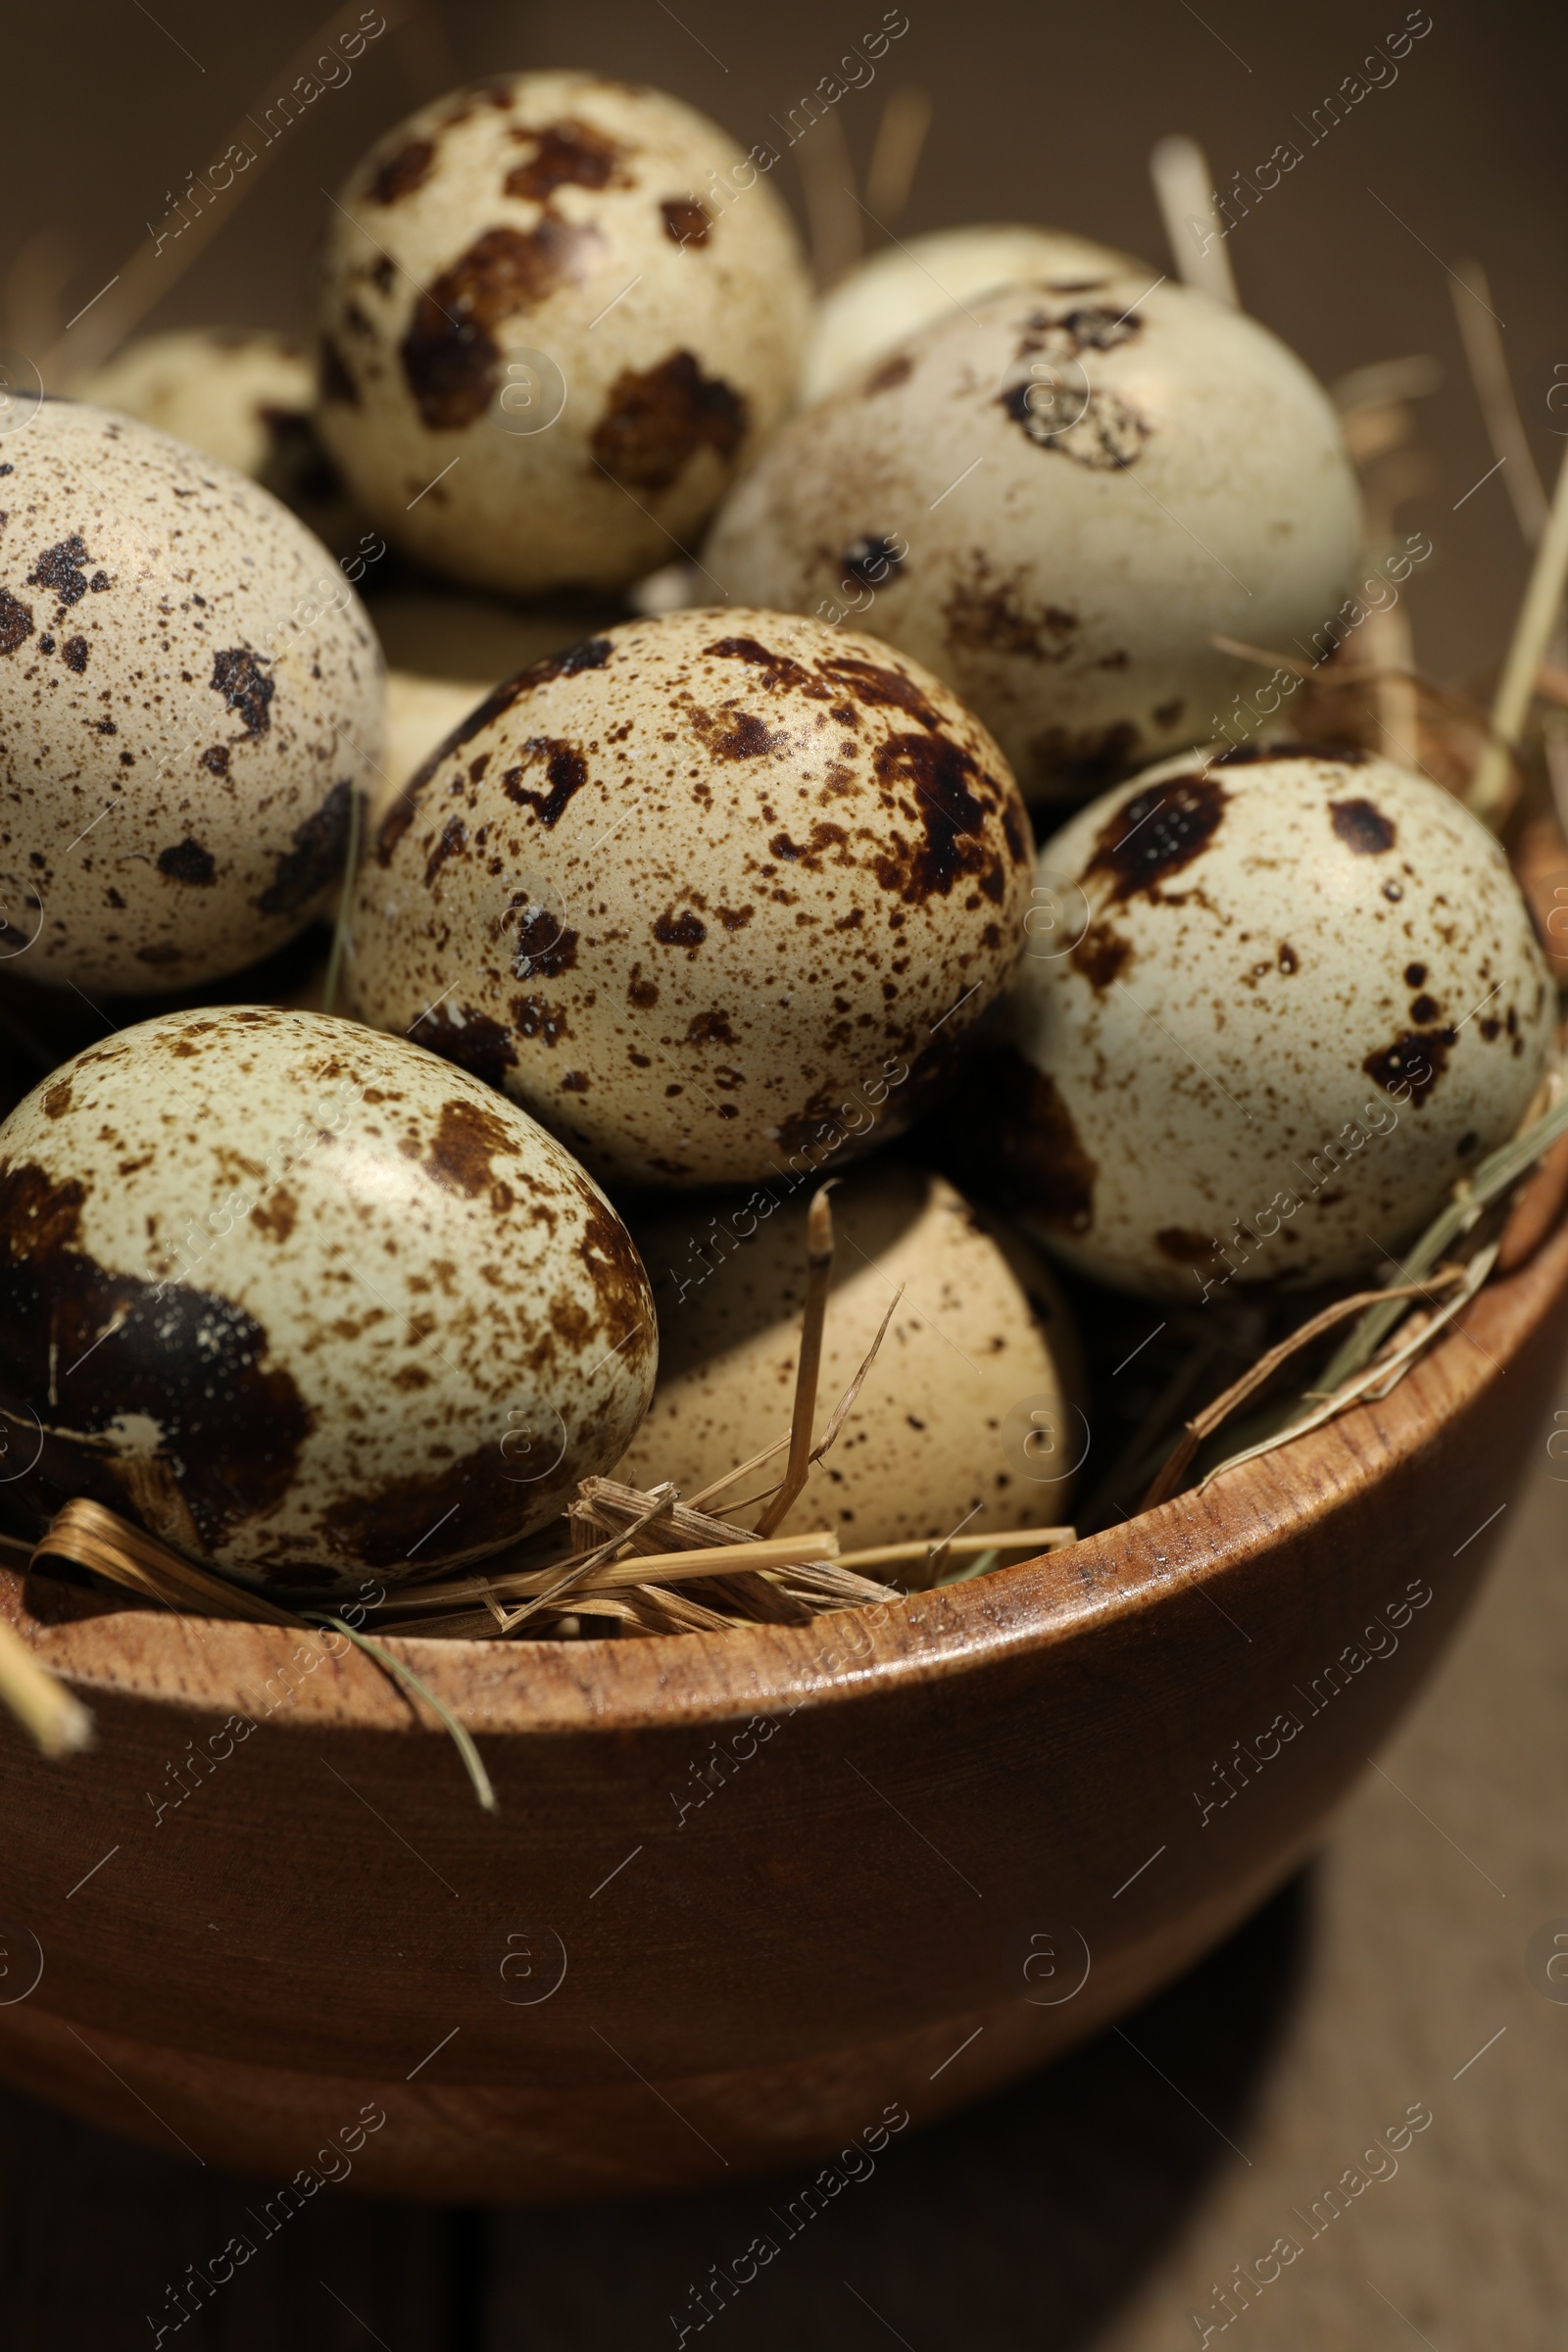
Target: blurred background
1040	115
1105	2204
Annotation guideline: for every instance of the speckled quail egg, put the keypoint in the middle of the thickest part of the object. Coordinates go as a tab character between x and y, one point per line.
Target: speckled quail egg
911	285
558	313
971	1413
710	893
243	396
1281	1004
445	652
1053	500
306	1302
225	390
190	696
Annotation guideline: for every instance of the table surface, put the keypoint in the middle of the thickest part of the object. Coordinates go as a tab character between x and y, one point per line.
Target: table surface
1098	2206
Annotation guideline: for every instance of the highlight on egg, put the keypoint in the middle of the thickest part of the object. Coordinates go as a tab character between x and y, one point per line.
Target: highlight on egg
971	1414
1287	1000
710	894
306	1302
190	698
544	354
1055	499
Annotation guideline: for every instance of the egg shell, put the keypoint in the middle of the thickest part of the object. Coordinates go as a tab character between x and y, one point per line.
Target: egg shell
190	696
306	1302
1053	501
230	392
242	396
914	283
1298	997
545	352
934	1436
709	894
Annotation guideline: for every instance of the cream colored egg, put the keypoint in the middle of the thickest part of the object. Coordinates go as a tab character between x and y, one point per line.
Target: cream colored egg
712	894
1054	501
558	313
972	1413
190	696
914	284
245	397
232	392
445	652
1297	999
306	1302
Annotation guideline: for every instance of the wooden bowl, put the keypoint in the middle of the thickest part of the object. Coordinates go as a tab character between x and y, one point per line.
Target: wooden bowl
749	1896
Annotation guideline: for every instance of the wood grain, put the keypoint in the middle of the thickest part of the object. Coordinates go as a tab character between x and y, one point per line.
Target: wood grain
321	1921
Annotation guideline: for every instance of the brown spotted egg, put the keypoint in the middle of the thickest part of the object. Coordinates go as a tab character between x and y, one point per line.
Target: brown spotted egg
1279	1005
709	894
306	1302
971	1413
1054	499
905	286
244	397
558	313
190	697
232	392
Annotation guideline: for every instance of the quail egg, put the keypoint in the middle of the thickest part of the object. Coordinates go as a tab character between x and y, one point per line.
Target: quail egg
1053	500
306	1302
712	893
909	286
936	1437
244	397
1282	1004
190	696
225	390
557	314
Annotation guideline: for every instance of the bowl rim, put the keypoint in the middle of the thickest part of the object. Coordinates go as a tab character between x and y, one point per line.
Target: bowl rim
549	1688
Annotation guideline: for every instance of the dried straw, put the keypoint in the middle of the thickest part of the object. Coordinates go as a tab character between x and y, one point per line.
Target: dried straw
144	277
1533	632
900	137
90	1536
1257	1376
1179	169
474	1763
835	218
1369	1386
57	1721
1453	729
1482	334
1017	1539
1482	337
814	1318
1371	1363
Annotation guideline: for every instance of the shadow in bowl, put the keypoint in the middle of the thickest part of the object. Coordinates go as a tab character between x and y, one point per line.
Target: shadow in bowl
1020	2224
